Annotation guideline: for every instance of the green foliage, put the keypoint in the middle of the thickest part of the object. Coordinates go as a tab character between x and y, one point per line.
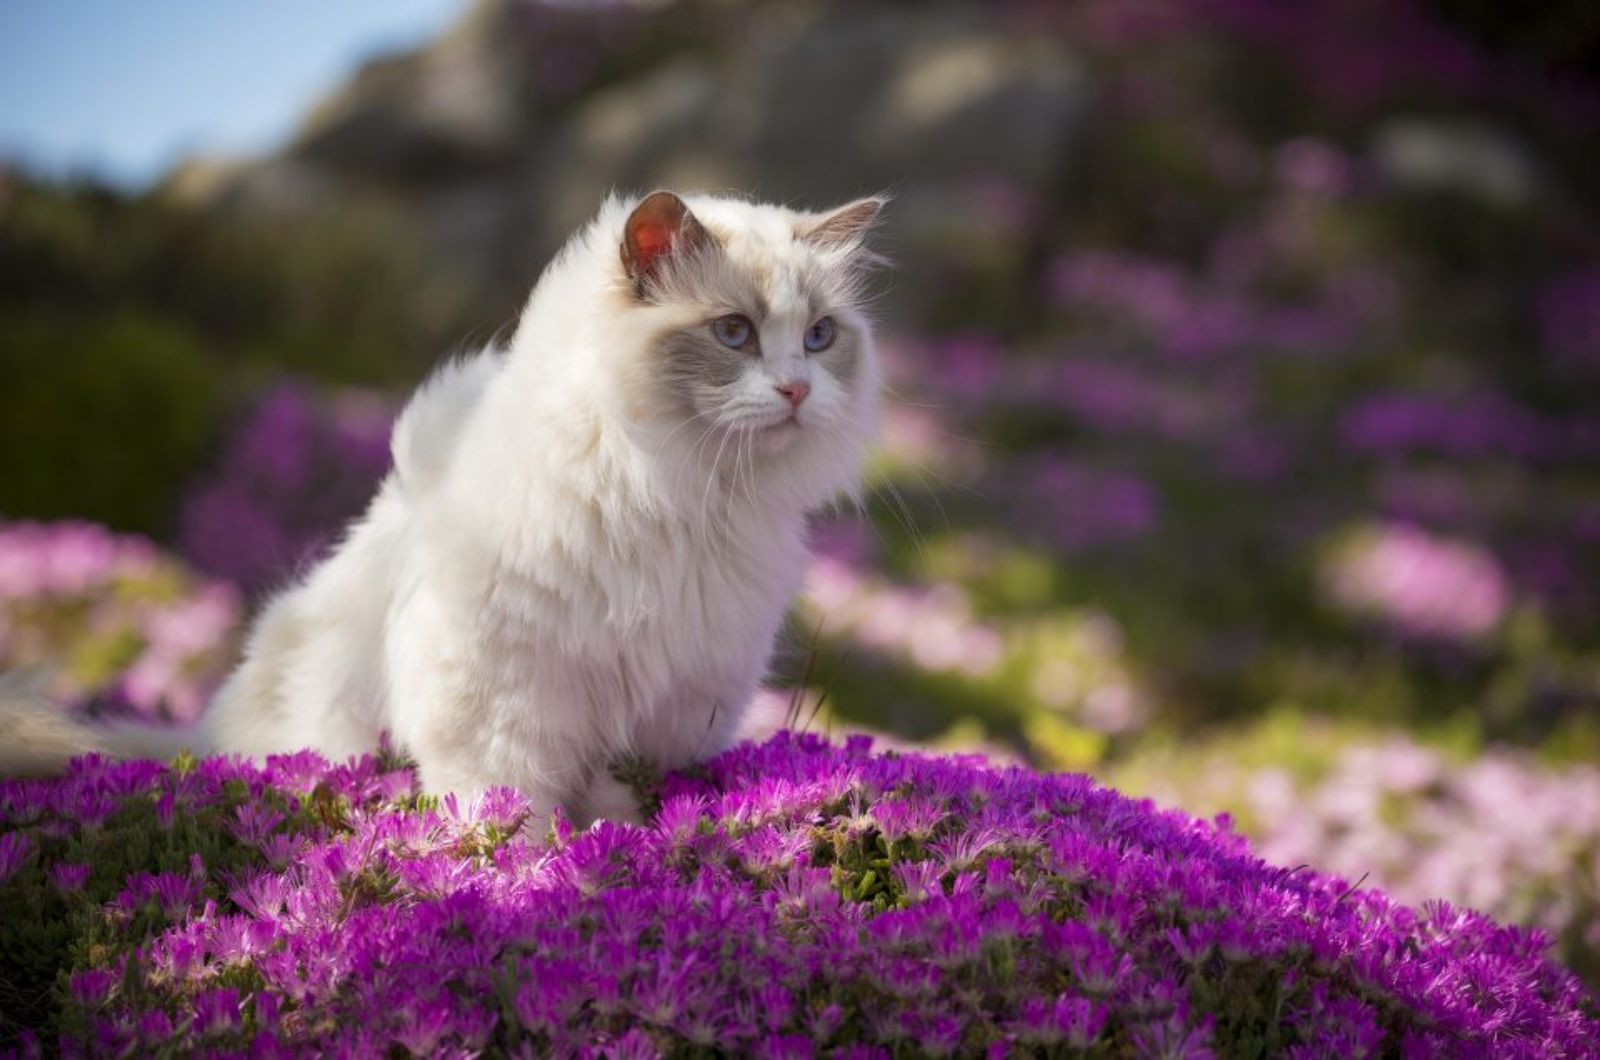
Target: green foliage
348	299
642	777
128	326
102	417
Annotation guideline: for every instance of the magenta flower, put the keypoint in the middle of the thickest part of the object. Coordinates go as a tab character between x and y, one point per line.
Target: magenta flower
14	850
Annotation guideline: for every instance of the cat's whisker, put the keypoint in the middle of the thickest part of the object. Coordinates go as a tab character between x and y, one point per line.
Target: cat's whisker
750	483
738	467
932	493
697	528
662	445
857	500
928	474
721	414
713	473
903	514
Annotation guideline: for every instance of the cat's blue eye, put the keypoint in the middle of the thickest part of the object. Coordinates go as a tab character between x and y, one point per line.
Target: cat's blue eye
734	330
820	335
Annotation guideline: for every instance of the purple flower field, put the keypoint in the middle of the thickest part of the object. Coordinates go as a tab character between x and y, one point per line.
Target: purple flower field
793	898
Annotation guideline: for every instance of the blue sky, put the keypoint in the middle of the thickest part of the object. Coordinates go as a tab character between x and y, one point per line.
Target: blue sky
125	88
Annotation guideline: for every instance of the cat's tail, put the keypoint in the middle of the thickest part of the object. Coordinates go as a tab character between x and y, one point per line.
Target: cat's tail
38	738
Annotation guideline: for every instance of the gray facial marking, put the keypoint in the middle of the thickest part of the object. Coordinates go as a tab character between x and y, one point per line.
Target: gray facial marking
692	362
843	358
824	294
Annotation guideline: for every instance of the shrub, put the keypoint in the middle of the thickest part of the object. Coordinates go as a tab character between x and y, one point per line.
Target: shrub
101	419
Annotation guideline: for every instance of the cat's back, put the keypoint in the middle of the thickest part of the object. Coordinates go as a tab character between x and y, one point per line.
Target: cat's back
428	431
313	669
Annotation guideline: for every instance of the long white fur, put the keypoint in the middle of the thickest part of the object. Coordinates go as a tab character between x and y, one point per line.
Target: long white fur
558	571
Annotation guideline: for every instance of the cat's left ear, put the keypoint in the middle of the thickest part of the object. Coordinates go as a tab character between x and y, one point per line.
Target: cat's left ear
660	227
847	226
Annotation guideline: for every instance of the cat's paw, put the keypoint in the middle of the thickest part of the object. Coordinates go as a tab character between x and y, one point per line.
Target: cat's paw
609	799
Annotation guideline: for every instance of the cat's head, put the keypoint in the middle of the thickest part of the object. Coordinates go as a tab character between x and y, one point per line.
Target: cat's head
755	346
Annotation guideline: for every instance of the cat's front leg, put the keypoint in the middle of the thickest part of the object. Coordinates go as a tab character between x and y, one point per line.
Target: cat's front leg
689	728
608	799
462	769
464	736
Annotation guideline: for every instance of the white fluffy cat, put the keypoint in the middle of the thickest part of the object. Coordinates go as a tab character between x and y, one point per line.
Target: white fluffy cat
590	538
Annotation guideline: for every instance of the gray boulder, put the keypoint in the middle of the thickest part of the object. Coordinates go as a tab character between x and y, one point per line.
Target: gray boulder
501	136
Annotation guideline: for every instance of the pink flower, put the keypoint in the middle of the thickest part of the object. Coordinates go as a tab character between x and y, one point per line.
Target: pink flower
1422	584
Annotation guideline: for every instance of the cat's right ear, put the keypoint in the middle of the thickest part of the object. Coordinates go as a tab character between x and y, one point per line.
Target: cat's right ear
847	226
659	228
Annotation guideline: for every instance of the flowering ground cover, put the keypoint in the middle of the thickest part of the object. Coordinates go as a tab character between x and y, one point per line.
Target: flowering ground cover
791	898
1495	830
110	622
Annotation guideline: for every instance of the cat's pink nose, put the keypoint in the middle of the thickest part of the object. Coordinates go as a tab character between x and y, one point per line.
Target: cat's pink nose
796	390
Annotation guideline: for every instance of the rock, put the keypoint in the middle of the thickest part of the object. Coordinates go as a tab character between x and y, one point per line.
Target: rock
1467	157
503	135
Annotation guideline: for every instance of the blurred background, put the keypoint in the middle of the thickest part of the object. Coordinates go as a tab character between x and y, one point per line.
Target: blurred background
1244	448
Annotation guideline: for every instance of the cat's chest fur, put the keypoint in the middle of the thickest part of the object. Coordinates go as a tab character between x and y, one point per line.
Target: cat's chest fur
682	594
607	602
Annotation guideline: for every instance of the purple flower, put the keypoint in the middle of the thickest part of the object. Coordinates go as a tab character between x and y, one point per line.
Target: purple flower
14	850
1084	506
216	1011
252	824
67	877
298	469
903	818
1569	318
92	987
1174	1039
1314	167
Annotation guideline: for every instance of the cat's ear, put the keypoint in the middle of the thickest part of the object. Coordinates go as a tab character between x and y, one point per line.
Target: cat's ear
660	227
846	226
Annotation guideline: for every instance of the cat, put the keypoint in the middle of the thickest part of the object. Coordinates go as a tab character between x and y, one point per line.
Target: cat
589	538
